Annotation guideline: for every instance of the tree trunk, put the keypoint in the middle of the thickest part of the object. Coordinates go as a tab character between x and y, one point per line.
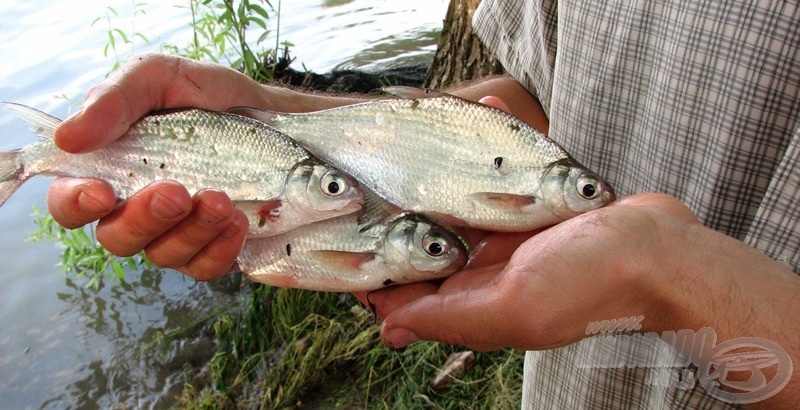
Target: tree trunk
460	55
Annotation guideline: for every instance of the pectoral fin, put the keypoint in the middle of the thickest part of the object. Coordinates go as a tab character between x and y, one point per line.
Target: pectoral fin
261	212
338	261
503	201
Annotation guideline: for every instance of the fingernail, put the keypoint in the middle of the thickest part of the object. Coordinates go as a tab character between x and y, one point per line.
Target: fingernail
164	208
231	230
398	338
89	203
208	216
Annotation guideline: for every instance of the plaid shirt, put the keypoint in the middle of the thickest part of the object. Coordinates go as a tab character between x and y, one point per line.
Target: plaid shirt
698	99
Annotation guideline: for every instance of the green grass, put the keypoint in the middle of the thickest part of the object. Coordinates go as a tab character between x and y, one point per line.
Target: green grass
293	348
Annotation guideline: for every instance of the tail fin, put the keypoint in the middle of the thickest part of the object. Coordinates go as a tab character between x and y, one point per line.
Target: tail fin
11	170
10	174
42	124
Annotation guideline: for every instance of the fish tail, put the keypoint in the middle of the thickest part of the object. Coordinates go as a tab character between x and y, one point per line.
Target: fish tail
12	171
10	174
42	124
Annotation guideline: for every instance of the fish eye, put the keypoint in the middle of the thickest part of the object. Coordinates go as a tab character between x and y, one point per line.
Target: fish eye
333	184
435	244
587	188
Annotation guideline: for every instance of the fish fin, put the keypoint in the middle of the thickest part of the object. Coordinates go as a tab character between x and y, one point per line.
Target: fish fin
338	261
503	200
264	116
42	124
263	212
10	174
374	210
412	92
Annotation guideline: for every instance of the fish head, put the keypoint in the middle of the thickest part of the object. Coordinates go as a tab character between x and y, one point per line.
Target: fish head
424	246
324	189
570	189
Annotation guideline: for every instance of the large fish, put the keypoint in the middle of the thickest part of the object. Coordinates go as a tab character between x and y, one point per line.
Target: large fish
277	183
449	158
341	255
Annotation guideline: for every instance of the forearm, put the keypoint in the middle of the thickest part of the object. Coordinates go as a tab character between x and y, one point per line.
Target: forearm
286	99
522	103
738	292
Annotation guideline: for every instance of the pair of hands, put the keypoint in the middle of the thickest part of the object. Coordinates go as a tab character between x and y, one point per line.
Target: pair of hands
532	291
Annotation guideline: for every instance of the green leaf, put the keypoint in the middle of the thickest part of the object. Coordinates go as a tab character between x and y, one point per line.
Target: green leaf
111	40
122	35
116	267
142	36
260	11
258	21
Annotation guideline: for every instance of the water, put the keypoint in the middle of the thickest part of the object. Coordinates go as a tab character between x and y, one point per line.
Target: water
62	345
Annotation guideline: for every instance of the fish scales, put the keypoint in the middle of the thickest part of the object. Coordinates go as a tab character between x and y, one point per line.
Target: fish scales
250	161
338	255
445	157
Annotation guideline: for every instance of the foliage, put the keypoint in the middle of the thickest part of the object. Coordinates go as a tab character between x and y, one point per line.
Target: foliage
117	35
83	256
293	348
219	32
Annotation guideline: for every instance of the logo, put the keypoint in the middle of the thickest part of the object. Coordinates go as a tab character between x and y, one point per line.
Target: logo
739	371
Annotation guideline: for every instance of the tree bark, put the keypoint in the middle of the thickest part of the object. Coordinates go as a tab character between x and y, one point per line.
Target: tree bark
460	55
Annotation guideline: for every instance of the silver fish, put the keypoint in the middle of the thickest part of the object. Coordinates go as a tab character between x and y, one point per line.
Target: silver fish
449	158
277	183
340	255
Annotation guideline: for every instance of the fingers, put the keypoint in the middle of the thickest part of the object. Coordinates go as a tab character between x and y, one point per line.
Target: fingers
468	318
148	83
387	300
497	247
199	236
495	102
663	202
143	217
76	202
217	258
204	244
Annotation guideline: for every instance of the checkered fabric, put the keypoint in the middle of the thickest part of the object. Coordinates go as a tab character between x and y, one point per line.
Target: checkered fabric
699	99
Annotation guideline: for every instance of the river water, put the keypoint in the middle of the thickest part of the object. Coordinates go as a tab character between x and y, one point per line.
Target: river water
62	345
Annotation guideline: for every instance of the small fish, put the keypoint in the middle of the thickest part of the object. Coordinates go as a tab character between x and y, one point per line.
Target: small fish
449	158
341	255
276	182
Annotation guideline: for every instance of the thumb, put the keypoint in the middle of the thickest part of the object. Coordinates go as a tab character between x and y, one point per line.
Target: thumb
470	318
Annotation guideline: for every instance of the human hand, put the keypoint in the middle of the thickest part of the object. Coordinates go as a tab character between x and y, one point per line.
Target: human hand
201	235
536	289
541	291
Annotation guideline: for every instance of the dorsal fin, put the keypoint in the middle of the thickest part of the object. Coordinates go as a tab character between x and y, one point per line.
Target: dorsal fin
415	93
42	124
375	209
265	116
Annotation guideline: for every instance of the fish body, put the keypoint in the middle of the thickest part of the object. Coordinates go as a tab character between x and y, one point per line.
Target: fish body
449	158
275	181
341	255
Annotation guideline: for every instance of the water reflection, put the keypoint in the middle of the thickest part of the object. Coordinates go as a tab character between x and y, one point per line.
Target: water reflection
146	341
